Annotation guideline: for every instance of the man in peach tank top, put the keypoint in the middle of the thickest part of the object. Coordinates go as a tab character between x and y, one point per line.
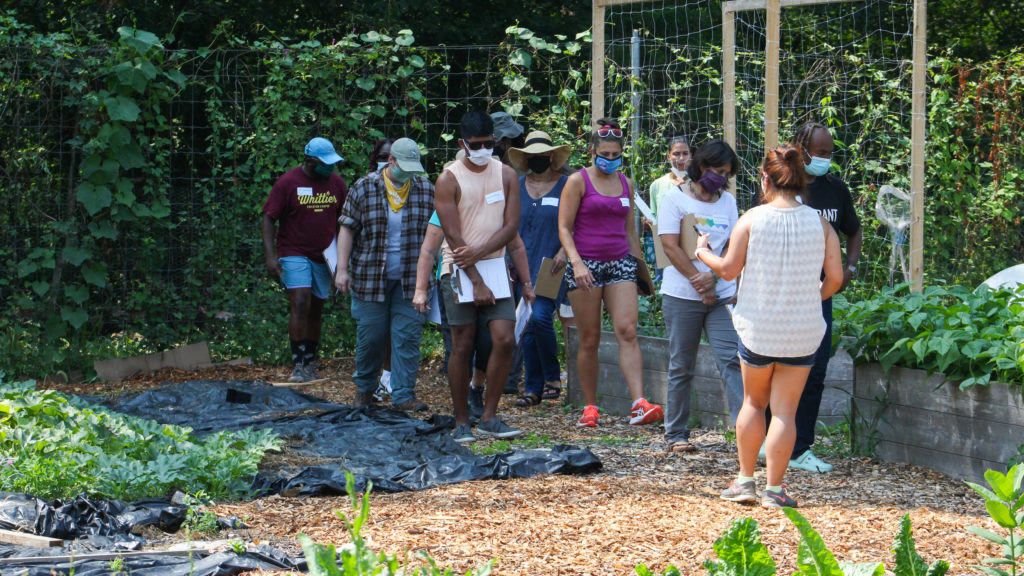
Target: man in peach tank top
477	201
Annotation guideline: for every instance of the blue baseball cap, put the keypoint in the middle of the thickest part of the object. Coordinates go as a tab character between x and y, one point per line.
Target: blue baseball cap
323	150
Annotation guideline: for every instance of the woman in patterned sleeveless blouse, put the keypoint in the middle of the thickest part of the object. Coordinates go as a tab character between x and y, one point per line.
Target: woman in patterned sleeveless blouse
781	247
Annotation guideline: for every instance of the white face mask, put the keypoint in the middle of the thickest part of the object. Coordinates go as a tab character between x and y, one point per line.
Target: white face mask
681	174
481	157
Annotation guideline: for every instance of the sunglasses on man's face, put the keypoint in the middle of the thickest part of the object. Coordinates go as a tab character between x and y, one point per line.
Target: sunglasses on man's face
489	144
607	131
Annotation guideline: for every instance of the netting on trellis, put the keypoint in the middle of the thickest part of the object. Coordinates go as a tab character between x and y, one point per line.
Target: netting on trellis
844	64
178	247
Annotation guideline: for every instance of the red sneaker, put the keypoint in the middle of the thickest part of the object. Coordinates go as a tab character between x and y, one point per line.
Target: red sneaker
589	418
645	413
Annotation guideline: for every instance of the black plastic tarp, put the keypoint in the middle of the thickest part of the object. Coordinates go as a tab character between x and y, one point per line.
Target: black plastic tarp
84	516
49	561
393	450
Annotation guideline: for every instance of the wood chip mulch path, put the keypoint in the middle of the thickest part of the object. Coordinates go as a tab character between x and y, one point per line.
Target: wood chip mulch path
644	506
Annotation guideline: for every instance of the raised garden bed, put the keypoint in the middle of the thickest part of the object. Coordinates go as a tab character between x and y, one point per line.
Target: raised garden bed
907	415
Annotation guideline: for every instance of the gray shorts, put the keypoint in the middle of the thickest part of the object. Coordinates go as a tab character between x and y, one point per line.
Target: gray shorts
467	313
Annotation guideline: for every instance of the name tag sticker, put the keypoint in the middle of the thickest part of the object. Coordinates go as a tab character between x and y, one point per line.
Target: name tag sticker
549	201
495	197
625	202
305	191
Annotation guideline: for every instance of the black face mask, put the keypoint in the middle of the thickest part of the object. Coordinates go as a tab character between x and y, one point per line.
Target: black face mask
538	164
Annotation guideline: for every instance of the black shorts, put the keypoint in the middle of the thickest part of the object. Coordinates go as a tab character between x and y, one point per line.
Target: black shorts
605	272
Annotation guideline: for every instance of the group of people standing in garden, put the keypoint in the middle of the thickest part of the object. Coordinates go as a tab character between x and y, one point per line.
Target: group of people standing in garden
501	215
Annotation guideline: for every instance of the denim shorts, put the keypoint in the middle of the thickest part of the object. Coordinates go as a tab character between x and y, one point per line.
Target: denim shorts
756	360
301	272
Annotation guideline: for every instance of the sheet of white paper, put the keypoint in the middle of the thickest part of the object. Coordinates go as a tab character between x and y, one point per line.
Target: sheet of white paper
434	313
331	256
494	274
643	208
523	313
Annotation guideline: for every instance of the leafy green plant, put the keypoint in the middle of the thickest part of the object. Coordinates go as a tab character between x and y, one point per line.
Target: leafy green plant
355	558
971	336
56	446
237	546
199	518
741	552
1004	500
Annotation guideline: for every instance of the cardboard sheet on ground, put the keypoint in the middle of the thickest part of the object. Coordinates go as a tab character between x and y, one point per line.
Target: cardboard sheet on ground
395	451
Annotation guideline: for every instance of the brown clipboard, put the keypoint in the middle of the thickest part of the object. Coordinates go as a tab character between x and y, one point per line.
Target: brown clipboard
687	241
548	284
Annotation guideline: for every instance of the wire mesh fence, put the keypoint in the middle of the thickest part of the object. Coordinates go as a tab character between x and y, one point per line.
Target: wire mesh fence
133	175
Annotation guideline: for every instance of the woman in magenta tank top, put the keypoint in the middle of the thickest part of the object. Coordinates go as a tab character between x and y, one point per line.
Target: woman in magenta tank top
595	225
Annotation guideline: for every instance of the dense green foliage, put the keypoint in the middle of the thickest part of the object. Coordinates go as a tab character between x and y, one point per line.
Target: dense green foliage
53	446
975	337
741	552
135	172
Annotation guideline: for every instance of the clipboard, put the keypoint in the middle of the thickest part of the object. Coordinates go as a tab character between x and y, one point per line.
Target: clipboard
494	273
548	284
687	241
687	237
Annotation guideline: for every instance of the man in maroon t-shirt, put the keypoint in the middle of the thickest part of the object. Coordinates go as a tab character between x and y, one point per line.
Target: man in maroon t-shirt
305	202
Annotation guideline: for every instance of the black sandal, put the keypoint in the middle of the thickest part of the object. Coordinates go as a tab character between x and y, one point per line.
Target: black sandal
527	400
551	391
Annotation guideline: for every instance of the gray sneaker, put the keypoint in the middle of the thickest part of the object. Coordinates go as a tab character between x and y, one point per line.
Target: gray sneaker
737	492
495	427
298	374
462	434
476	402
780	499
310	372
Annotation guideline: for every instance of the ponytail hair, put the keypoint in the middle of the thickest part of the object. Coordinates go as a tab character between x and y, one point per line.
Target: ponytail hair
784	169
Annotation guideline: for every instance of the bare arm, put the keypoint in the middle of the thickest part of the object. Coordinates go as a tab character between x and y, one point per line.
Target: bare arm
268	228
730	264
568	207
631	236
425	266
854	242
517	251
342	281
833	266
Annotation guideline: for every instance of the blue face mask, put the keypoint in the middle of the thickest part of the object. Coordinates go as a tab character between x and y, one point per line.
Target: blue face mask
607	166
324	170
382	165
818	166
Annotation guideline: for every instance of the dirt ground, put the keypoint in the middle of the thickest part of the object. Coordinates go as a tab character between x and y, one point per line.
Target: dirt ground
644	506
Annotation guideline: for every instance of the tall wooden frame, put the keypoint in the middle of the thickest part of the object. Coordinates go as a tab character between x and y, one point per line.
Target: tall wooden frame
774	11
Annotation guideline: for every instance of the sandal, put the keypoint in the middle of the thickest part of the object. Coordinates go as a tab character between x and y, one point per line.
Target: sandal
680	447
551	391
527	400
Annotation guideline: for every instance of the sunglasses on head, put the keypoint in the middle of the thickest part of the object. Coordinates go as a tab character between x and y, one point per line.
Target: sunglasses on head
606	131
489	144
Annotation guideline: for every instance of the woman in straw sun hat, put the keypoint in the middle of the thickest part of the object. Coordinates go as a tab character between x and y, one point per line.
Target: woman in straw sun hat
540	192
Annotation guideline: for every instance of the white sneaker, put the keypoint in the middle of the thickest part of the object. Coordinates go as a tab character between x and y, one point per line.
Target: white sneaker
383	387
811	463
